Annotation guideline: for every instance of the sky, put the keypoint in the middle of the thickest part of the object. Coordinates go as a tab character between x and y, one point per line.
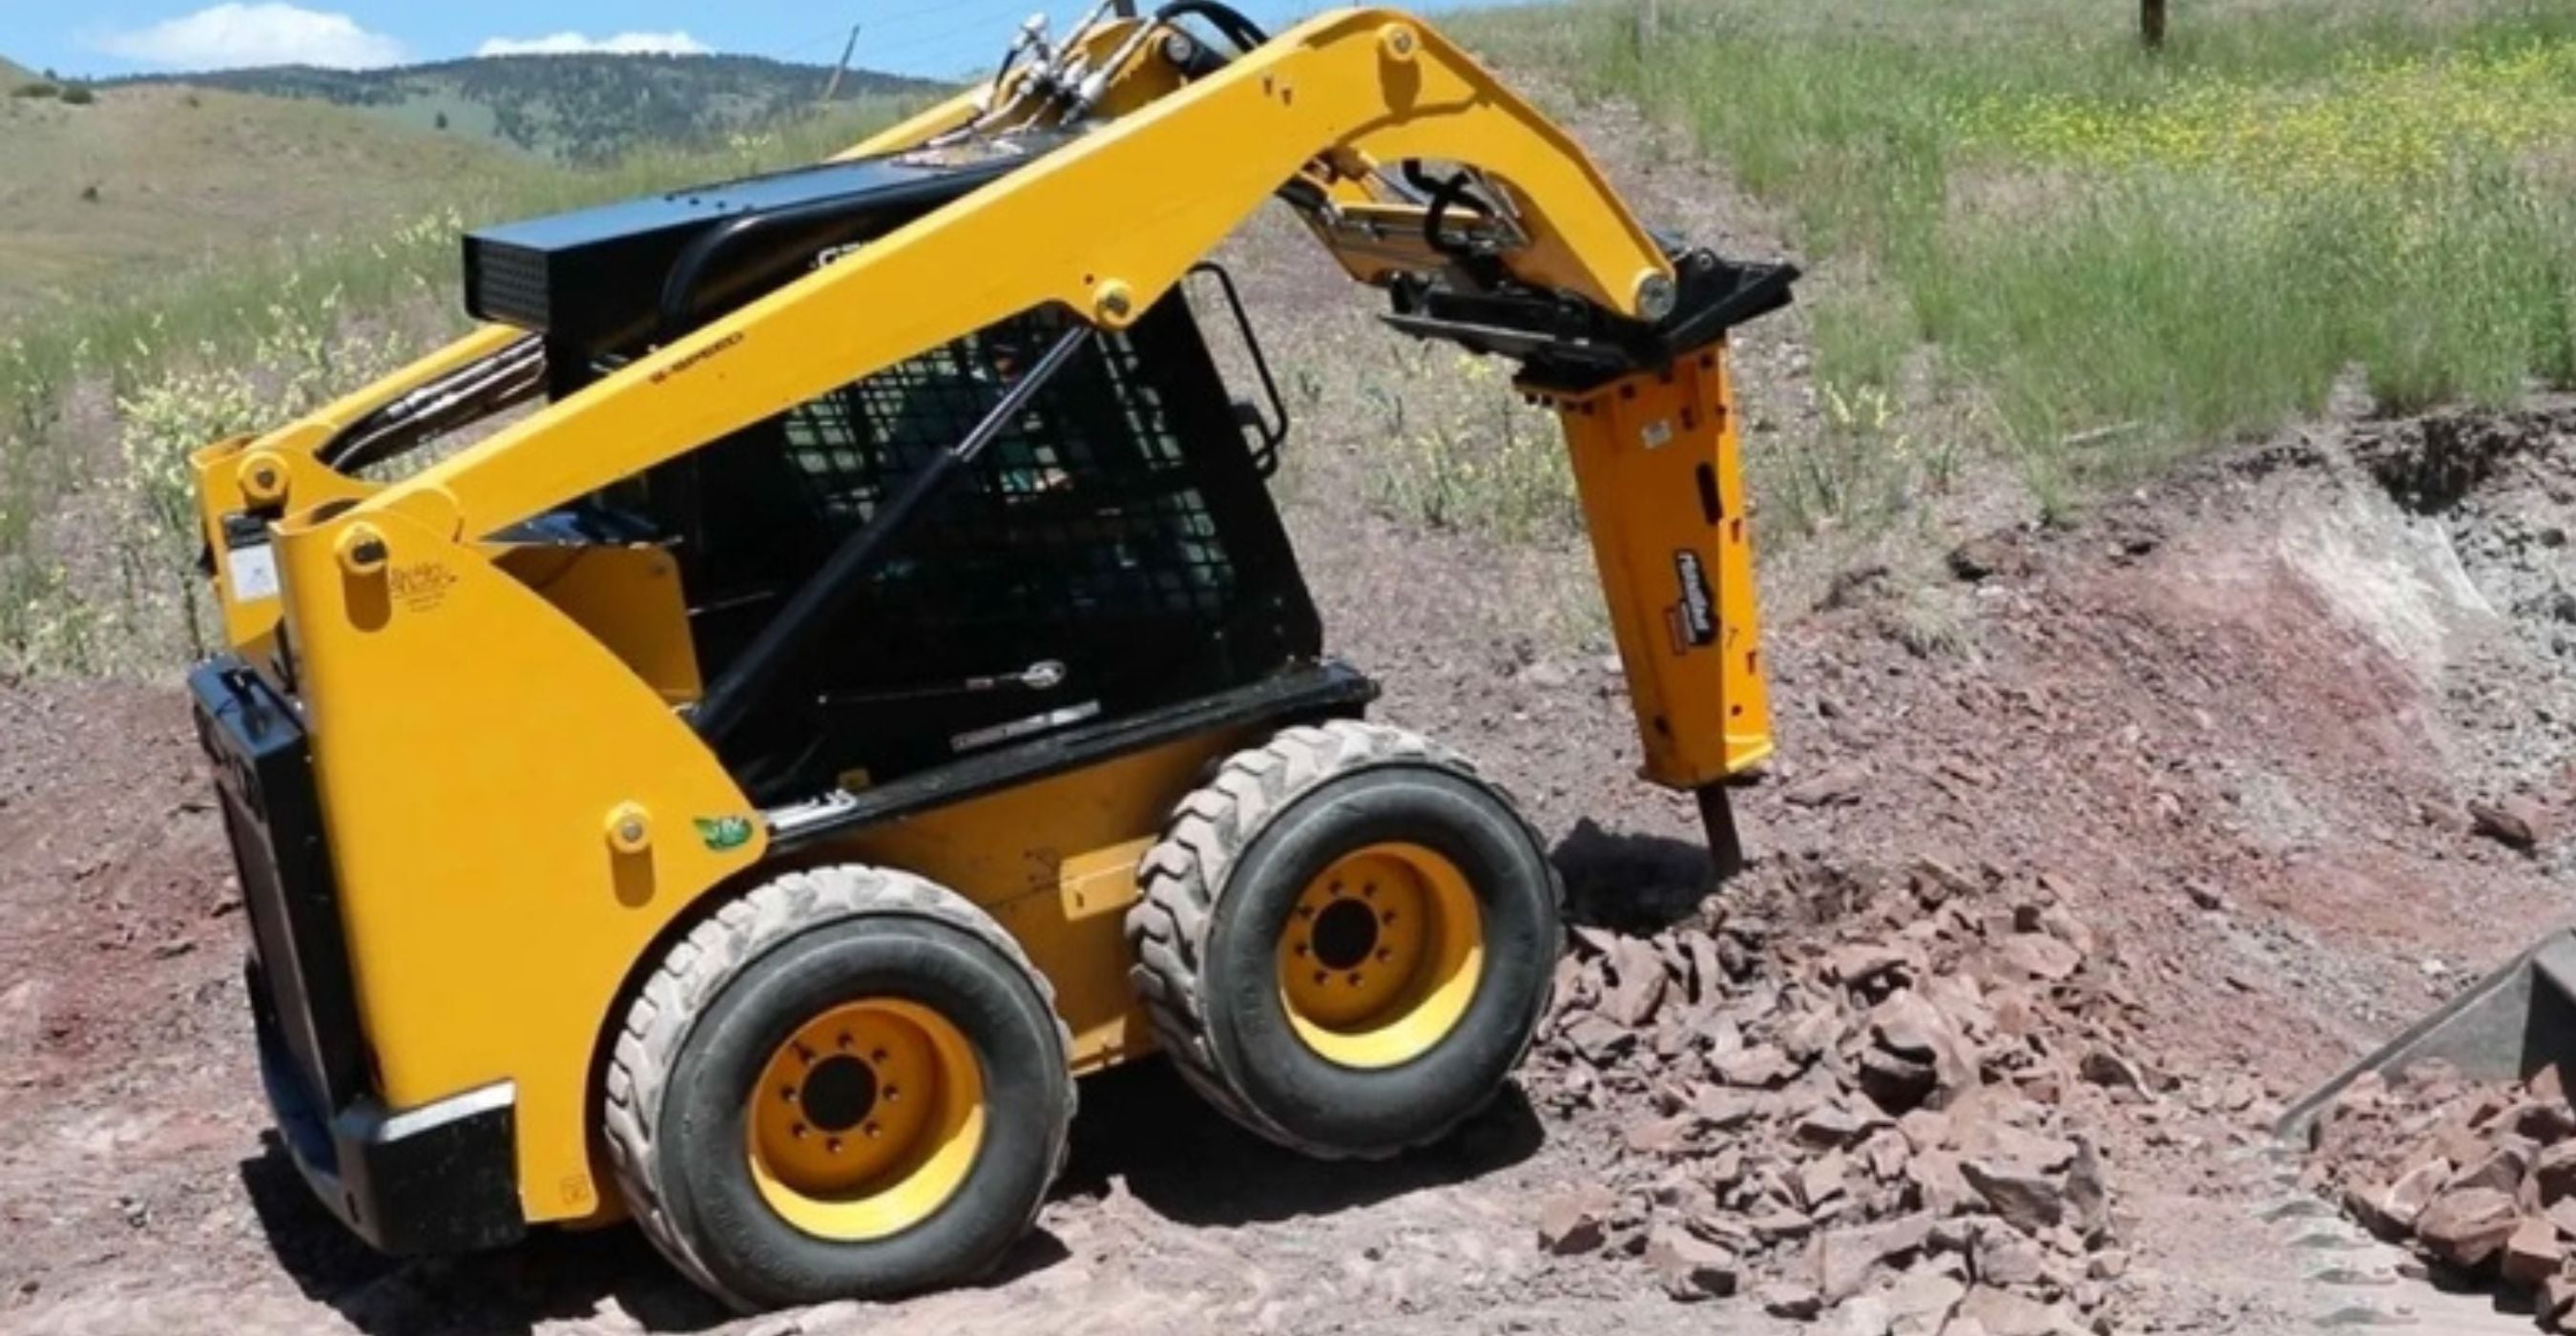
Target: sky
930	37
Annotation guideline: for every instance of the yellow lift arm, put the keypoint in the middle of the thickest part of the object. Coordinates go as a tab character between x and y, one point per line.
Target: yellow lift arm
1103	225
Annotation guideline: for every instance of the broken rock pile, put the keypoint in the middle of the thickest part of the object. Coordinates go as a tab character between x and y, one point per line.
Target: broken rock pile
1869	1118
2479	1179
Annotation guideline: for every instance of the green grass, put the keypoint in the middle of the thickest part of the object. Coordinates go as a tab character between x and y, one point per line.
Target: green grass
2125	256
157	179
1457	448
101	399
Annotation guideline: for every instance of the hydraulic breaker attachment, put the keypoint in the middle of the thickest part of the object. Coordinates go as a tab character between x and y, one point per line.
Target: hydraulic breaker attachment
1655	460
2506	1027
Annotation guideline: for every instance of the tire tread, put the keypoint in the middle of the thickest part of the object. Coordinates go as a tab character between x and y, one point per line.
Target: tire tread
1183	874
725	943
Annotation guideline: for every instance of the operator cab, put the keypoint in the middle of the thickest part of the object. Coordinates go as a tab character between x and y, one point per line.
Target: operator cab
1110	552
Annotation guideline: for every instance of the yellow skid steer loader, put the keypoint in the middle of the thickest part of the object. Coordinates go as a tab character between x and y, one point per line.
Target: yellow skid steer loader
869	687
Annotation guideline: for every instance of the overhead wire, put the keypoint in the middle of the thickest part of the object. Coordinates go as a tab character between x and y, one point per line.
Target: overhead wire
899	32
968	21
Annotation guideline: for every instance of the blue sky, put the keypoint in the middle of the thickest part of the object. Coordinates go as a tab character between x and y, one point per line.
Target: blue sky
936	37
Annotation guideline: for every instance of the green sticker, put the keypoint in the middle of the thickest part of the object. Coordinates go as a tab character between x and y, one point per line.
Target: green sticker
724	832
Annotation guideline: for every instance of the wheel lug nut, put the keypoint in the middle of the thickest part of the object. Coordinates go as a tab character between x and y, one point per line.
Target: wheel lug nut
870	1129
893	1094
797	1131
832	1145
1384	955
877	1056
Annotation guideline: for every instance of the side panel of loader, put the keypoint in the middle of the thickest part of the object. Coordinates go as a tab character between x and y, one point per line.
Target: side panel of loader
1055	861
514	817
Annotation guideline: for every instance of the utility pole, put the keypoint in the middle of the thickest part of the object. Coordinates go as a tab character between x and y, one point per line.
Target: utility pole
848	49
2151	24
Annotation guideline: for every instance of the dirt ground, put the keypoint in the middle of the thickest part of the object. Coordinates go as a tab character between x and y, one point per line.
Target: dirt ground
2237	720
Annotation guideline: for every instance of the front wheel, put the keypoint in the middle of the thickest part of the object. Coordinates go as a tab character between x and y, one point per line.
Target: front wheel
849	1083
1346	939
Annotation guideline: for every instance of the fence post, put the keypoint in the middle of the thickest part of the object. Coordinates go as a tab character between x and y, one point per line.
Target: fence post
2151	23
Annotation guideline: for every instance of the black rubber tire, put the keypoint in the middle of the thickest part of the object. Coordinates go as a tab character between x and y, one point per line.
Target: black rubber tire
730	992
1216	891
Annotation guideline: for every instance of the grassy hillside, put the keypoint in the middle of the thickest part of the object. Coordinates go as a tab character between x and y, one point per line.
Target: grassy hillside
2104	256
102	396
149	180
13	74
580	108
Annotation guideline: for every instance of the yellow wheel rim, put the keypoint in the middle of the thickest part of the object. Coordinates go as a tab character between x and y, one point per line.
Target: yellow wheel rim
866	1121
1381	955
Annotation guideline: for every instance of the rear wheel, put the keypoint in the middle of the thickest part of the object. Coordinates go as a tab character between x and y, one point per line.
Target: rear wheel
1381	955
849	1083
1346	939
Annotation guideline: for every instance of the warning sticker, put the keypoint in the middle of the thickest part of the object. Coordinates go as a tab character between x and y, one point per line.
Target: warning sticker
253	572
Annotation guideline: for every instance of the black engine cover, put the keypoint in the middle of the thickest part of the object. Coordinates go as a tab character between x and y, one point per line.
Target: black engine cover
593	281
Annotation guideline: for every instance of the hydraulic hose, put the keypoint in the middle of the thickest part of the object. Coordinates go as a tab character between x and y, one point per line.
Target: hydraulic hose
1225	18
734	695
1445	195
496	382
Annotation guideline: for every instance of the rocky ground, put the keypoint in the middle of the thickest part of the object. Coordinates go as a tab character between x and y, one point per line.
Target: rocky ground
2087	847
1884	1121
2478	1178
